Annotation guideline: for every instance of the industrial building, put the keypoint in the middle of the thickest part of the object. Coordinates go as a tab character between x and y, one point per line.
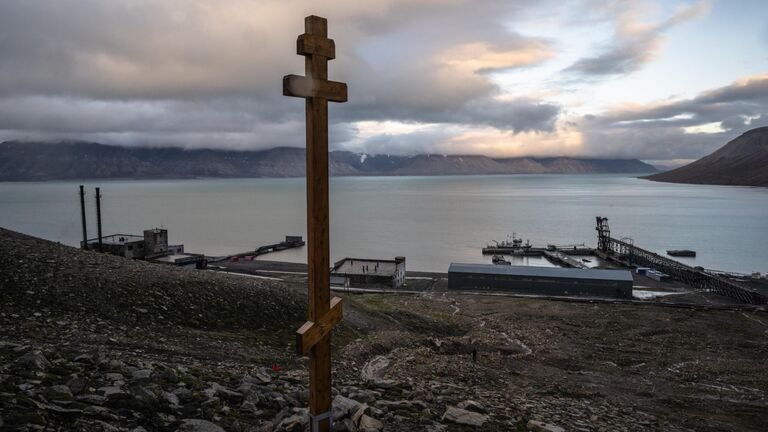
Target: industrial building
550	281
124	245
155	242
152	246
360	272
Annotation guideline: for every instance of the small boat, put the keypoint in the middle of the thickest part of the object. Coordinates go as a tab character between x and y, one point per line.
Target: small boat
681	253
586	260
500	260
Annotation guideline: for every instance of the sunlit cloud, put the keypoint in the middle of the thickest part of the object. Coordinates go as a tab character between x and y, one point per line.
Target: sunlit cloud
707	128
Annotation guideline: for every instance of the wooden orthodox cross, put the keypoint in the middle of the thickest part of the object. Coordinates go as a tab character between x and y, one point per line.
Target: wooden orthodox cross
314	337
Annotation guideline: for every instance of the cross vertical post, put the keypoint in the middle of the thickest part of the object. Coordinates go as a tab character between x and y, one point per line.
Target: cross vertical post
314	337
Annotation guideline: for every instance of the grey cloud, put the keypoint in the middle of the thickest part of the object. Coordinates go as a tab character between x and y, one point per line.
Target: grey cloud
622	58
520	115
229	123
427	141
182	73
656	131
631	47
176	67
661	143
748	97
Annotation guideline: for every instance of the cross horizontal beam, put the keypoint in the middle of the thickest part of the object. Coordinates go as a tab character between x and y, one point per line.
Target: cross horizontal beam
305	87
311	332
309	44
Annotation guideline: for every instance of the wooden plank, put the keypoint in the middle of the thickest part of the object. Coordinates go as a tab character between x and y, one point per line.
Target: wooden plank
300	86
312	332
308	44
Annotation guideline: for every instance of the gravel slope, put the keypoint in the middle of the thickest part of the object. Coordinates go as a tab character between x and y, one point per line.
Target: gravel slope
49	278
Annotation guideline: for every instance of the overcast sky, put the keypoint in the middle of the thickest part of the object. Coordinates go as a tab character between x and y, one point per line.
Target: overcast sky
656	80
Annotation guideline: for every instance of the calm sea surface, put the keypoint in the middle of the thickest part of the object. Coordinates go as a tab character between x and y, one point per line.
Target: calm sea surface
431	220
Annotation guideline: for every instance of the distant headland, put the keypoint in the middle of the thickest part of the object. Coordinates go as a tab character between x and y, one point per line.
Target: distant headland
741	162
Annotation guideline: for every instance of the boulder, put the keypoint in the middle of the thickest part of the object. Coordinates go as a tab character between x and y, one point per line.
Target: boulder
92	399
344	407
171	398
464	417
294	423
34	360
369	424
473	406
141	374
401	405
364	396
77	384
219	390
345	425
114	377
96	426
84	358
58	393
537	426
198	425
110	390
167	374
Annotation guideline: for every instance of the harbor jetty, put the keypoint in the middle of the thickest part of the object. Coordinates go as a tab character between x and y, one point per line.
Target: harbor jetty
290	242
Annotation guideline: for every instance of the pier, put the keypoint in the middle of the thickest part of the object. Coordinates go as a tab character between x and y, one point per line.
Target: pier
290	242
696	277
536	251
563	260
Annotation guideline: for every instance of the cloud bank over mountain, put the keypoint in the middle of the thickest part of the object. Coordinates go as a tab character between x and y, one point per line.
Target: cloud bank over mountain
424	76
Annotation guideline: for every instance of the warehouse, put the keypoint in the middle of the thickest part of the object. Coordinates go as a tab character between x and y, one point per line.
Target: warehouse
551	281
367	273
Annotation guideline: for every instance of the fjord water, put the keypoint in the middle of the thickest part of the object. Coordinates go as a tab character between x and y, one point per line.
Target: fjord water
430	220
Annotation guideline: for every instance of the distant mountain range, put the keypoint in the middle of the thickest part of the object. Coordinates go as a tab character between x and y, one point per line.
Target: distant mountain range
20	161
741	162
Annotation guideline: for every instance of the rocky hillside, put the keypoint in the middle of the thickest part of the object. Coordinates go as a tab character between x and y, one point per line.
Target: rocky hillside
90	342
47	161
741	162
38	274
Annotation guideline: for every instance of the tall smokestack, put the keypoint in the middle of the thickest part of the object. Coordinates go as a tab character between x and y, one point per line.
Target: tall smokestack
98	216
82	217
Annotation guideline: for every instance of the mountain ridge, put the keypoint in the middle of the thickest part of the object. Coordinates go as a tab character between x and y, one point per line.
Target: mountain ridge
743	161
27	161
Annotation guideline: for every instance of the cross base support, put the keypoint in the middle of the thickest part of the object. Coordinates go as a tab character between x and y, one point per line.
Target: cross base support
314	421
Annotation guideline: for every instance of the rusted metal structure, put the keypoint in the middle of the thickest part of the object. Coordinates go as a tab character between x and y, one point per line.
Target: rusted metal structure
84	244
695	277
98	218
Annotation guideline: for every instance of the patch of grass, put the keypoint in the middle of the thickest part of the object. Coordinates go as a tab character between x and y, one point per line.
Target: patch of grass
418	316
344	335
